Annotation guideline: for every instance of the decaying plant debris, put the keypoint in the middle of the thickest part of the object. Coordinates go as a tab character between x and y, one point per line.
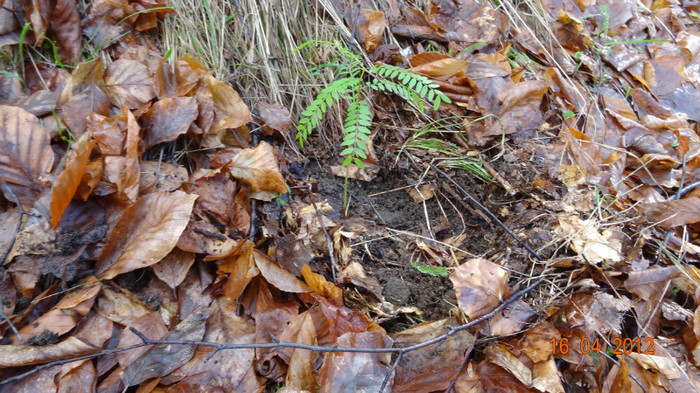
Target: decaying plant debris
162	230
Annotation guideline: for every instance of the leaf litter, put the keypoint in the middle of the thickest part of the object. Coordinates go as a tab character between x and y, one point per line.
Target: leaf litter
142	215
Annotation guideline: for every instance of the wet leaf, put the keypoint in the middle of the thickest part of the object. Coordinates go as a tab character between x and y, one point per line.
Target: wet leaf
167	119
69	179
352	371
107	132
498	354
275	118
150	325
25	155
128	82
161	360
169	176
481	286
466	22
145	233
229	371
258	168
420	370
65	27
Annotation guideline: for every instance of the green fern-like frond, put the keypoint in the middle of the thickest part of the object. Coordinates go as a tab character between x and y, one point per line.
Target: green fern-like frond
356	133
398	89
312	115
435	271
418	84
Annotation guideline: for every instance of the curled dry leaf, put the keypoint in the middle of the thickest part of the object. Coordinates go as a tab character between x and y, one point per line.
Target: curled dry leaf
128	82
230	110
258	168
145	233
240	267
321	286
480	285
125	171
437	65
25	155
277	276
68	180
370	29
25	355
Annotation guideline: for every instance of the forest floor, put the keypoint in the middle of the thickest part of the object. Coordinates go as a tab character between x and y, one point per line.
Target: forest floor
331	196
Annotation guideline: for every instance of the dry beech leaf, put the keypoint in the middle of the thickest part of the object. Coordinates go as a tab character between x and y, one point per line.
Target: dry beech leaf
25	154
65	315
107	132
321	286
68	180
545	377
120	305
167	119
174	267
231	111
436	64
150	325
669	214
128	82
170	176
240	267
480	285
25	355
277	276
499	354
145	233
125	171
258	168
370	29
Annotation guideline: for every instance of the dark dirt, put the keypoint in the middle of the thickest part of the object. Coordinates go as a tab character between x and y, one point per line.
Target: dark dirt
386	202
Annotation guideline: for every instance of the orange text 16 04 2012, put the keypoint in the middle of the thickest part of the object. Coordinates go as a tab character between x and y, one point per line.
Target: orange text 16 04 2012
618	346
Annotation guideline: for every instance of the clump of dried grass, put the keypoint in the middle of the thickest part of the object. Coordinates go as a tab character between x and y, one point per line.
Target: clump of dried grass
251	44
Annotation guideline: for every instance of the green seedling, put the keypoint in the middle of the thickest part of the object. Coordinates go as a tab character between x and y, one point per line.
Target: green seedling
435	271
